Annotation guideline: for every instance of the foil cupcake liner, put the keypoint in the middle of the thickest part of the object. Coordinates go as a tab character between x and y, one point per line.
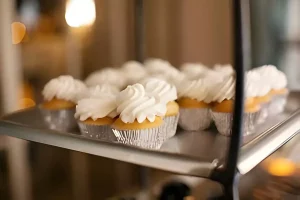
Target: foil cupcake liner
151	138
223	122
277	104
264	113
60	120
97	132
194	119
170	125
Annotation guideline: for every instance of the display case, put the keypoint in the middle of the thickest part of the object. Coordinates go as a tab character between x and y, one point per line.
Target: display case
202	154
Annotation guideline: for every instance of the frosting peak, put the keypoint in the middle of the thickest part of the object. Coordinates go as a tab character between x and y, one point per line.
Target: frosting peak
96	108
165	91
135	104
134	71
224	89
194	89
99	91
63	87
107	75
193	70
226	70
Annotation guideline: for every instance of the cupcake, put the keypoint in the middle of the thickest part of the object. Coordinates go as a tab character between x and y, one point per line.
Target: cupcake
277	82
222	112
140	122
95	115
60	96
256	89
98	91
134	71
194	111
167	94
107	75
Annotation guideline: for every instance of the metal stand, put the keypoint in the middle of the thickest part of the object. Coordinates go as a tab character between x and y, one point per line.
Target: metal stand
229	176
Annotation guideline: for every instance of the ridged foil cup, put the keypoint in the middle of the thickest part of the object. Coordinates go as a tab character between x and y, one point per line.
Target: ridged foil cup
170	125
103	132
277	104
194	119
60	120
223	122
264	112
151	138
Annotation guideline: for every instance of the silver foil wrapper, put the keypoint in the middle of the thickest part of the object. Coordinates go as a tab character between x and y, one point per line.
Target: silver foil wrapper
60	120
170	125
264	112
277	104
223	122
103	132
151	138
194	119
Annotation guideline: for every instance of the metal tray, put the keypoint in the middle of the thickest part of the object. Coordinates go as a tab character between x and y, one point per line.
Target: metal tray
190	153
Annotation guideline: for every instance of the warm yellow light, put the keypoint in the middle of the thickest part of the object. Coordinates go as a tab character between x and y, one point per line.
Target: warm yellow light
18	31
80	13
281	167
26	103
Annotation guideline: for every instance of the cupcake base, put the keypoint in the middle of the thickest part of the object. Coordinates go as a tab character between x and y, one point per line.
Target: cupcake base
264	113
223	122
150	138
194	119
277	104
99	132
60	120
170	125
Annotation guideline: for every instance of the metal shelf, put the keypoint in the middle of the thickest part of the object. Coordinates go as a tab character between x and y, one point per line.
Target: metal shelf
190	153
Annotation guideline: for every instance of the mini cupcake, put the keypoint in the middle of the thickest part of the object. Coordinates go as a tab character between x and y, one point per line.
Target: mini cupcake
194	111
98	91
222	111
95	115
167	94
60	95
106	76
277	82
256	89
140	121
134	71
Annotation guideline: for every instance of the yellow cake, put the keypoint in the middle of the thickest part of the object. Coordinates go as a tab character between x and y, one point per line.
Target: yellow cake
192	103
120	125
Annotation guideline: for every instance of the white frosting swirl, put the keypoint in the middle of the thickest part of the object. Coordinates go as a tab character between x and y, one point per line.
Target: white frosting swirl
96	108
254	86
162	68
135	104
165	91
270	75
280	82
221	90
226	70
134	71
63	87
193	70
194	89
99	91
107	75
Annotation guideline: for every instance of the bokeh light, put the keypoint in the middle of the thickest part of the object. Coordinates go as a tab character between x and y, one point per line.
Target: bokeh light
80	13
18	30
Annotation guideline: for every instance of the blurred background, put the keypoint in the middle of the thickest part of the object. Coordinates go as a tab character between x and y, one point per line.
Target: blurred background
42	39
